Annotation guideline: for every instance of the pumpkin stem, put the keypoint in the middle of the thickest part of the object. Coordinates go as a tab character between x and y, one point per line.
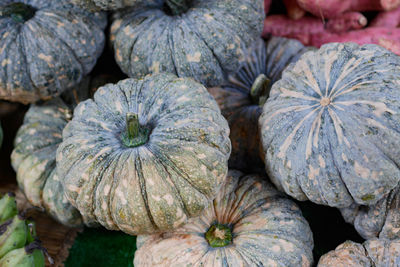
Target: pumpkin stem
19	12
259	91
135	135
219	235
177	7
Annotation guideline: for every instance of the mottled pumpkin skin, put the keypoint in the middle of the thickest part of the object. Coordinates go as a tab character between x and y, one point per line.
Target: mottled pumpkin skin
372	253
155	186
95	5
50	52
205	42
330	128
235	101
268	230
34	154
380	220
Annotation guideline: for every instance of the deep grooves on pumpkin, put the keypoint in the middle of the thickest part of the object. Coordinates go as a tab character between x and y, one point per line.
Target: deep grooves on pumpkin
18	11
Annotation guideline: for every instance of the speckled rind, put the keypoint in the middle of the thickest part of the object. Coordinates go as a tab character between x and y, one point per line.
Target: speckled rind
372	253
156	186
343	150
95	5
49	53
34	154
204	43
268	230
380	220
234	99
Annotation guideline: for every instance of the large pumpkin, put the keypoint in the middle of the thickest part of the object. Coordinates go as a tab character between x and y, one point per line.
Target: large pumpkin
242	97
330	128
111	4
46	47
380	220
34	154
372	253
144	155
248	224
199	39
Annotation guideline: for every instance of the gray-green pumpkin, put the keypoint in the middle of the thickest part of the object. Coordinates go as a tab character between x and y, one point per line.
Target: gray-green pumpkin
34	154
380	220
46	47
331	126
241	98
200	39
248	224
372	253
94	5
144	155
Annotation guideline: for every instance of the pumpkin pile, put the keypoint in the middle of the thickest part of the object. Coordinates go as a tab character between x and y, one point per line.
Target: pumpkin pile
199	151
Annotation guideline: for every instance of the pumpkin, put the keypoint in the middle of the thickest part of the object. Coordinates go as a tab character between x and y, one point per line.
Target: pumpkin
199	39
380	220
145	154
249	224
242	97
46	47
330	128
34	154
110	4
372	253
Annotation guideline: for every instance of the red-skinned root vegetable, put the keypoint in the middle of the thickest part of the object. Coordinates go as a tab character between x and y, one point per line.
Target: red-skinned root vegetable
390	19
293	10
334	8
267	4
348	21
386	37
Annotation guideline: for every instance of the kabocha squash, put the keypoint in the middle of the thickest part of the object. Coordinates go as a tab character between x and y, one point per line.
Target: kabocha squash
46	47
144	155
198	39
380	220
330	128
242	97
34	154
372	253
111	4
249	224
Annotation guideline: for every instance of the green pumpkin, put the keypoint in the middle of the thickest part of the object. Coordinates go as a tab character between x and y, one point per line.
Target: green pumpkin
95	5
46	47
203	40
248	224
331	126
242	97
372	253
34	154
144	155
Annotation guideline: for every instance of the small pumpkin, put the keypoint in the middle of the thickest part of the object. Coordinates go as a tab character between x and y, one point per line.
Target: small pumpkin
372	253
331	127
95	5
144	155
242	97
380	220
248	224
199	39
46	47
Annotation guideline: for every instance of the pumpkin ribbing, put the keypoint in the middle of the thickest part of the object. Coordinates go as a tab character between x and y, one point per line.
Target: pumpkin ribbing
19	12
219	235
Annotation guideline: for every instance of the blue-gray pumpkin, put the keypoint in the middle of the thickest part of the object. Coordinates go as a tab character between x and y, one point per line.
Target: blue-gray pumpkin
331	127
95	5
379	220
200	39
248	224
145	155
242	97
46	47
372	253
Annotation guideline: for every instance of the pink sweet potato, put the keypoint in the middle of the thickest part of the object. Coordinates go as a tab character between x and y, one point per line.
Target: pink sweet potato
347	21
390	19
267	4
293	10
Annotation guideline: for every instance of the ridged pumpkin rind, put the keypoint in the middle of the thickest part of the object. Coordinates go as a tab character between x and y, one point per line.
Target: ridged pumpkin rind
330	128
374	252
34	154
155	186
380	220
268	230
47	54
204	43
113	4
269	58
